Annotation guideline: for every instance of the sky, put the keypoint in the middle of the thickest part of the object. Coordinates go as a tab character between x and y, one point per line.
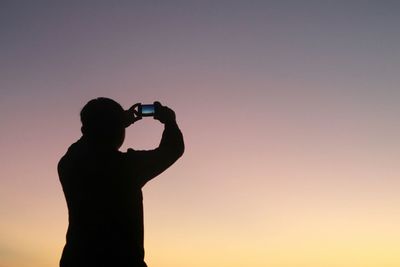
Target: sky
289	111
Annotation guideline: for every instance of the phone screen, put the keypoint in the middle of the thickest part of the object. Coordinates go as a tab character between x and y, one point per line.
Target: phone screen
147	110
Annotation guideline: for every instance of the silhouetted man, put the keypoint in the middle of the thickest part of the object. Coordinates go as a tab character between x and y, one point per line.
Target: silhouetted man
102	185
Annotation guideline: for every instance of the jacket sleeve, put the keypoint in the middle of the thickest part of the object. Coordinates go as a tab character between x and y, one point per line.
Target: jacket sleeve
150	163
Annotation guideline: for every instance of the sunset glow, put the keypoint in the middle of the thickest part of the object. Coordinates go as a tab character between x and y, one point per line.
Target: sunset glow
289	109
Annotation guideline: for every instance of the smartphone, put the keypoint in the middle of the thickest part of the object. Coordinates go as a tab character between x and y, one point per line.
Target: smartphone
146	110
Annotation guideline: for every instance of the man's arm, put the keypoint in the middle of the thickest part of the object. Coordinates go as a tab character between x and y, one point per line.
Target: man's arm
149	164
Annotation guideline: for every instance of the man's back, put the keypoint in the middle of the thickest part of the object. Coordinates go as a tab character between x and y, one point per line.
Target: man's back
105	206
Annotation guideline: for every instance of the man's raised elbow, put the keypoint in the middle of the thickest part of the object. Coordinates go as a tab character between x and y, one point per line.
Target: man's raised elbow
181	150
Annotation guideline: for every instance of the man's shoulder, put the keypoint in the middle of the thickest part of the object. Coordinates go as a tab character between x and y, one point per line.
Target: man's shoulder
72	154
132	155
130	152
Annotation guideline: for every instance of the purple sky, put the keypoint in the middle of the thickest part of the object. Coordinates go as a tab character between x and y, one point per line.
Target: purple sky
289	110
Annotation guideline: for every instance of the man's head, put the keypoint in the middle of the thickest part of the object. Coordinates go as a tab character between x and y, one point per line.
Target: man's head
103	122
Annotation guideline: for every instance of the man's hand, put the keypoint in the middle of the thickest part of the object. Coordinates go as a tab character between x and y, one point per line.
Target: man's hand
163	113
132	115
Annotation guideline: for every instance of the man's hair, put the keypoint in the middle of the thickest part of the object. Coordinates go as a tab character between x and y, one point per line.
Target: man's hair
101	117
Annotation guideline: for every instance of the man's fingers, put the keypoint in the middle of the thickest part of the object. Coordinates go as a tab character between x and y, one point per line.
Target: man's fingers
133	114
135	108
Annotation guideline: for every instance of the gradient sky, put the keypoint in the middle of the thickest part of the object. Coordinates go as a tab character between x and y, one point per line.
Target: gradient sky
289	111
